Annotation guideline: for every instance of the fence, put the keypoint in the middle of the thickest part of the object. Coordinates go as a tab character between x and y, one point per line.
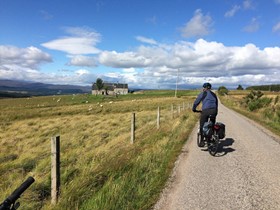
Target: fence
55	147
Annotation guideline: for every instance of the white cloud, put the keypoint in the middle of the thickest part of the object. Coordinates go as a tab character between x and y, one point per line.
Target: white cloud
81	60
199	25
123	60
129	70
196	60
146	40
81	41
46	15
276	27
156	66
24	64
30	57
253	26
82	72
233	11
277	1
21	63
248	4
152	20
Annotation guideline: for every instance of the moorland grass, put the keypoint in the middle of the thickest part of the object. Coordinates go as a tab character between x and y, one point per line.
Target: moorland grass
268	116
100	168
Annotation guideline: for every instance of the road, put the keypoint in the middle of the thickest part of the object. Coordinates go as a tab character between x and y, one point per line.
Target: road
244	175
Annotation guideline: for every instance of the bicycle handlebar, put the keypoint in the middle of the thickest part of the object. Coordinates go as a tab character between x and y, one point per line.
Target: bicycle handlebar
16	194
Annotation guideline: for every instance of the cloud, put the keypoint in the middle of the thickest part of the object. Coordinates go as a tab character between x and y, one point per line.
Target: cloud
198	61
81	41
21	63
155	66
276	27
196	58
81	60
24	64
152	20
277	1
46	15
253	26
30	57
146	40
248	4
123	60
129	70
199	25
233	11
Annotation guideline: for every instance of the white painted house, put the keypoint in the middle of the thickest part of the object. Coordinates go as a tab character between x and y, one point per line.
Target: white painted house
110	89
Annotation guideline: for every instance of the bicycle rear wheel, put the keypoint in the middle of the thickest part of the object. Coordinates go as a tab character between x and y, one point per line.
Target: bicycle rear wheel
200	142
213	145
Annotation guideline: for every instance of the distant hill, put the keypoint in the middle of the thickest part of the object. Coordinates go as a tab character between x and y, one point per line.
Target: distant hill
15	89
265	87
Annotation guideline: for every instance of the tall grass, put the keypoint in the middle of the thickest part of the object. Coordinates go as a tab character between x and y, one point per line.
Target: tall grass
266	113
100	169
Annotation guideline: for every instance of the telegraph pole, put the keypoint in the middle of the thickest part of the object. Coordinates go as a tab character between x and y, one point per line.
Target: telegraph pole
177	83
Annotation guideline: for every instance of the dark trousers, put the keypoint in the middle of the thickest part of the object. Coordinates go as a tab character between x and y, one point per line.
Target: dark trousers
205	115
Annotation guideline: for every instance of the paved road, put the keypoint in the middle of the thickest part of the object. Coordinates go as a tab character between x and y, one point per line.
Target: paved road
245	175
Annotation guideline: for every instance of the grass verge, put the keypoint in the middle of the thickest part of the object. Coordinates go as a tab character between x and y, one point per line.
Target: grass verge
100	169
268	116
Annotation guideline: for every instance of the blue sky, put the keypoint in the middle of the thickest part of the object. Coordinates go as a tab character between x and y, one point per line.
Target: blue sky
145	43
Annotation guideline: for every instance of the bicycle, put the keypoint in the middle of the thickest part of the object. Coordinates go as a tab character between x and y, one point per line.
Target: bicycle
212	133
10	202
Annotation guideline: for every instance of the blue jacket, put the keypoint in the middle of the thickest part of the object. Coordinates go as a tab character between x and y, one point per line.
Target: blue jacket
209	100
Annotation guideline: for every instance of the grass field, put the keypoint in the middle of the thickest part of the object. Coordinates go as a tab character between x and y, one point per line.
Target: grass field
267	115
100	168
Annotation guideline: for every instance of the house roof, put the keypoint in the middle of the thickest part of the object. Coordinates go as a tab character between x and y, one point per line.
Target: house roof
111	86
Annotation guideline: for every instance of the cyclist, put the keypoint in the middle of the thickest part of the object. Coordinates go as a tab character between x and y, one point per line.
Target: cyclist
209	105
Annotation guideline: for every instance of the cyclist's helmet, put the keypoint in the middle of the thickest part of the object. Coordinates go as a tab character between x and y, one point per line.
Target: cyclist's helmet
207	85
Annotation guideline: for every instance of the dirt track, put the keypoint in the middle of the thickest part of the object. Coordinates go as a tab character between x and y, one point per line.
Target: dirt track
245	175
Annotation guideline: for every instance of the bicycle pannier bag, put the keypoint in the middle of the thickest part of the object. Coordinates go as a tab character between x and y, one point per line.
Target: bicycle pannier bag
207	129
222	130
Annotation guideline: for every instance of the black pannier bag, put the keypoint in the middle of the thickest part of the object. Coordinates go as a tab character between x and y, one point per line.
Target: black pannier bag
221	129
207	129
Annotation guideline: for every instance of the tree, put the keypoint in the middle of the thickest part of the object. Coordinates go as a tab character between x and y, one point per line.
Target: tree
239	87
222	90
99	84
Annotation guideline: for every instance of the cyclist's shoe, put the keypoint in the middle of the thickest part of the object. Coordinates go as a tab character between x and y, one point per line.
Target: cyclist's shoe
202	143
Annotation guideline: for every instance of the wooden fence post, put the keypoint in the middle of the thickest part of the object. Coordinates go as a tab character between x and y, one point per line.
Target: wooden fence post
55	168
132	138
158	118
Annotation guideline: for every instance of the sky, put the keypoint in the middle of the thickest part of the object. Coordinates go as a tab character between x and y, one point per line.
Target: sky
153	44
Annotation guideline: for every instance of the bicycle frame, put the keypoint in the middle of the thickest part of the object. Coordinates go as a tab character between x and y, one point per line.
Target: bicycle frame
10	202
212	141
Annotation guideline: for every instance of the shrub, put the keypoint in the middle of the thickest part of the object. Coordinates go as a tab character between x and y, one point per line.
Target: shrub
268	113
222	90
254	101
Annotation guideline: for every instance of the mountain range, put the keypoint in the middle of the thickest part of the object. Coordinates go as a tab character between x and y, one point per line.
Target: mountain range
15	88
